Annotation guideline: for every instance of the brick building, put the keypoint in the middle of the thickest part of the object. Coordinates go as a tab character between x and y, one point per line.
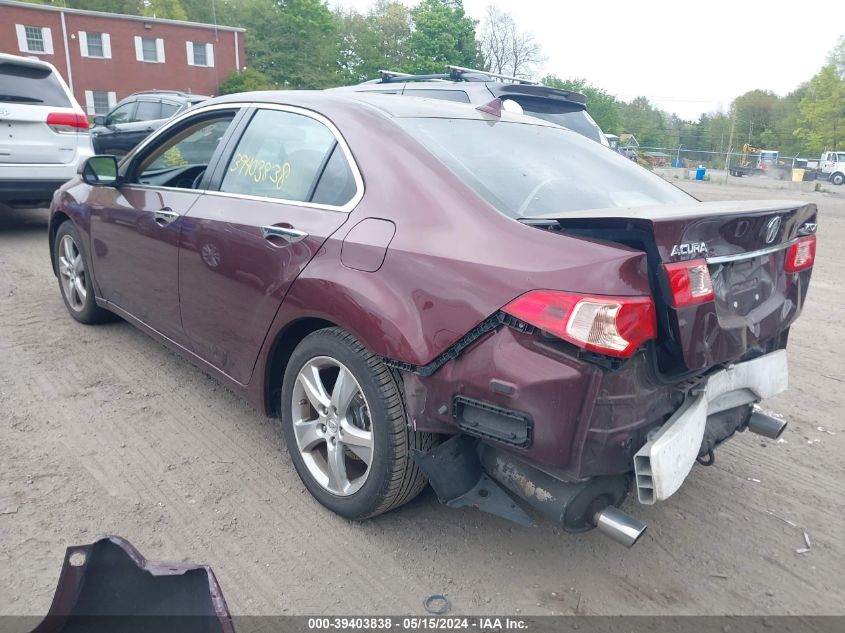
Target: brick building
106	56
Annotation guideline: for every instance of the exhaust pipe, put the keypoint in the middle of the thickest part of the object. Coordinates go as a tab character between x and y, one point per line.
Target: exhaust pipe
766	425
619	525
577	506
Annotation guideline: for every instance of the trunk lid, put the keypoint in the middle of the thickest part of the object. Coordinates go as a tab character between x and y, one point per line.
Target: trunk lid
27	139
745	245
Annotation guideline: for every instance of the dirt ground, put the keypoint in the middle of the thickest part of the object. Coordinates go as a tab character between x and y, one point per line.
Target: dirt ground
103	430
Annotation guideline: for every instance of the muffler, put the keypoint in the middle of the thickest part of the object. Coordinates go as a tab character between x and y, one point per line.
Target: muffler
766	425
619	525
575	506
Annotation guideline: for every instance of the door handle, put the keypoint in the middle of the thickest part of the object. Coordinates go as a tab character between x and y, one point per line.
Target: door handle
291	236
165	216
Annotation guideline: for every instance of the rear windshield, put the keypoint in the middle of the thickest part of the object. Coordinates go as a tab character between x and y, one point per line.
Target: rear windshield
567	114
28	84
525	170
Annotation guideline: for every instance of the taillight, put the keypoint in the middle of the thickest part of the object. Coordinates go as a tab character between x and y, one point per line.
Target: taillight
67	122
615	326
689	282
801	255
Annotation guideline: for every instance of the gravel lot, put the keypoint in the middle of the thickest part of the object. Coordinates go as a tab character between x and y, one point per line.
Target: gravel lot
104	431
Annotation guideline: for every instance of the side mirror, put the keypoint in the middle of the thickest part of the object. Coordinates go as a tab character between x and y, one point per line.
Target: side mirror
99	120
100	171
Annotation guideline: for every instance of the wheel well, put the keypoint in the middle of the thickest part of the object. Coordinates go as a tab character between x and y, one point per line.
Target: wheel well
283	347
56	221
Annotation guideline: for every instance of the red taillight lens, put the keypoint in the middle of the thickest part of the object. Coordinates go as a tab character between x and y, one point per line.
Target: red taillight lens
690	282
65	122
801	255
615	326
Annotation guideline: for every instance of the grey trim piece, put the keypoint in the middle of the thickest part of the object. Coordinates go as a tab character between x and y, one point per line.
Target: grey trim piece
750	254
121	16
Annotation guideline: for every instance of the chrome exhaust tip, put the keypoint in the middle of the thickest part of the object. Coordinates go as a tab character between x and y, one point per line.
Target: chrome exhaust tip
766	425
619	525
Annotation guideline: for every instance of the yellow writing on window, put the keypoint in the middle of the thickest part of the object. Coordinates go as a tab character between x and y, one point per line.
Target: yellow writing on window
260	170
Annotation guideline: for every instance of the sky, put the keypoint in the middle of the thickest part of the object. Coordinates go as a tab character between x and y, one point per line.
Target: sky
687	57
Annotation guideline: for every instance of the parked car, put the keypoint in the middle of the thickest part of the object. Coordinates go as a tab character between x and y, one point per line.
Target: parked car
44	131
467	85
136	117
423	290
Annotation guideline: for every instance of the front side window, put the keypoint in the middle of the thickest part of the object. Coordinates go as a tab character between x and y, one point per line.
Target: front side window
193	145
525	170
122	113
281	155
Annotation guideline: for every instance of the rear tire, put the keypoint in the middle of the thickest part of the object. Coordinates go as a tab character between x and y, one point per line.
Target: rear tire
75	282
333	431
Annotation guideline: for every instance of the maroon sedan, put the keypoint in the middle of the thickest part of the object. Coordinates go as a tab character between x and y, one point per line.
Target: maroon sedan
425	291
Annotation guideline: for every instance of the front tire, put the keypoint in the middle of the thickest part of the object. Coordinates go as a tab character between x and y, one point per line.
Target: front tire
837	179
74	278
343	418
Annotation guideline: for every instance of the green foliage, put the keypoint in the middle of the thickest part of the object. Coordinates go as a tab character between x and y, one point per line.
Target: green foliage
245	81
169	9
375	41
443	34
823	111
601	105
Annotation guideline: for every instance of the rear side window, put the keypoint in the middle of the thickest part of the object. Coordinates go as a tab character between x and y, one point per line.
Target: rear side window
446	95
337	184
148	111
168	109
33	85
281	155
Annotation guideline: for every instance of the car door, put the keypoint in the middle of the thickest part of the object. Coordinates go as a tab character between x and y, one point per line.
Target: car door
147	118
135	227
285	187
107	139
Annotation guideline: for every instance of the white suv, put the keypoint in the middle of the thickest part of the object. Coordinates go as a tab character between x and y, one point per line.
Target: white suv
43	131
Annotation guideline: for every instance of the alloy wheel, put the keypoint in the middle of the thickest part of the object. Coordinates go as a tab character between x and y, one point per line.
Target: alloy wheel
332	425
72	274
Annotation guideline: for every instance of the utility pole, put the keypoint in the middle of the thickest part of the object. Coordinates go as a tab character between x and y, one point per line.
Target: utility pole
730	143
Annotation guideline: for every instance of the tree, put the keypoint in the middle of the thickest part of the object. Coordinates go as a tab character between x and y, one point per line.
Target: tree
504	48
837	56
823	111
245	81
170	9
372	42
647	123
601	105
754	113
443	34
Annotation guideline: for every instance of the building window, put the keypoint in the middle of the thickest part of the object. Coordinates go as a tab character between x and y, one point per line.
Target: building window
95	45
34	39
149	49
99	102
200	54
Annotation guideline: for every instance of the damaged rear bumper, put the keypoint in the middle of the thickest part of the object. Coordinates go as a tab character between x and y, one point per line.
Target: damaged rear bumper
664	462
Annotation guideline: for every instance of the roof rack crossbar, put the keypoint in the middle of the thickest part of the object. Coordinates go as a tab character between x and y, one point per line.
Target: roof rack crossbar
456	73
461	70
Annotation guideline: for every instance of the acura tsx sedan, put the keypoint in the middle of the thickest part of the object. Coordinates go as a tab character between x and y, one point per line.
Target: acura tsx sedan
432	292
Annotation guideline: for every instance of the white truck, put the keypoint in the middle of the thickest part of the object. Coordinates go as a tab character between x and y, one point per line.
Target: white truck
832	167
